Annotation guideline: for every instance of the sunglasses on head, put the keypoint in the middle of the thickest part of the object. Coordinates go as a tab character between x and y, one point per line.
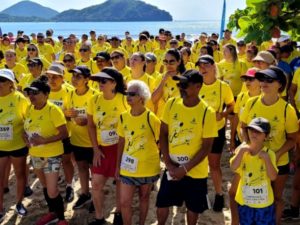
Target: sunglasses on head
183	85
266	80
131	94
247	79
3	79
31	49
83	50
32	92
116	57
169	62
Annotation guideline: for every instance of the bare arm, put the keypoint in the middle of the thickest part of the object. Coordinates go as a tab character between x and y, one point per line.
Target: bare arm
237	159
121	145
289	143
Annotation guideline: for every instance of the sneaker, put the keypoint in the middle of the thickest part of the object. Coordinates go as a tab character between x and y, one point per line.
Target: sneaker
98	222
291	214
5	190
28	191
69	194
21	210
92	208
219	203
118	219
62	222
47	219
82	200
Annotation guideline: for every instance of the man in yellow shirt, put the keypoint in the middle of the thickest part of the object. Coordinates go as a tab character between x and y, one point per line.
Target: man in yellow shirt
227	38
187	131
45	49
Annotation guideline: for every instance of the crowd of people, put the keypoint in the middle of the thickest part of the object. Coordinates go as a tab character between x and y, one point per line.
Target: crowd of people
147	110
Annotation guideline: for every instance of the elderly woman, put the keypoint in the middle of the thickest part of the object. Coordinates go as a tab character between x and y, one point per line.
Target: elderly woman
45	128
284	126
217	94
103	113
12	146
138	154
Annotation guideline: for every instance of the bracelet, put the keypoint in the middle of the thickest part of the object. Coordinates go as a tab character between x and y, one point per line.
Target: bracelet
183	166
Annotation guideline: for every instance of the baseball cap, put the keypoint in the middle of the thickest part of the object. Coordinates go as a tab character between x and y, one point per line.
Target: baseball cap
284	38
56	68
272	72
102	55
8	74
205	59
36	60
250	72
39	85
264	56
115	38
108	73
151	56
260	124
227	30
190	76
84	70
40	35
241	43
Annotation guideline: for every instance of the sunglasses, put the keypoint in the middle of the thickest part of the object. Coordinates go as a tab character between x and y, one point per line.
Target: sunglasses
31	49
182	85
67	60
115	57
266	80
169	62
244	79
31	65
32	92
77	76
104	80
83	50
40	37
131	94
3	79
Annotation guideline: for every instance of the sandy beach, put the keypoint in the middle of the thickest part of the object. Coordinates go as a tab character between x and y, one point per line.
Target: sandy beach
36	205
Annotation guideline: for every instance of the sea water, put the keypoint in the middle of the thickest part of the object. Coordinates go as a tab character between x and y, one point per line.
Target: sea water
191	28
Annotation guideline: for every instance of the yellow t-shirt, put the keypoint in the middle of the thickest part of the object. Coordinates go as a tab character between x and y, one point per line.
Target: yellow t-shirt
106	114
60	98
12	113
189	66
91	64
254	189
169	90
20	54
216	95
126	72
80	136
140	156
45	123
282	118
26	81
46	63
47	51
231	74
187	126
100	48
296	81
19	71
218	56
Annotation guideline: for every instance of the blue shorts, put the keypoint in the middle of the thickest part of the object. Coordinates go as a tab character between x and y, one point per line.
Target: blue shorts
257	216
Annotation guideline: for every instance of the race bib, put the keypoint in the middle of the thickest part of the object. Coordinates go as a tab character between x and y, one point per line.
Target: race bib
180	159
58	103
6	132
129	163
109	137
255	194
81	112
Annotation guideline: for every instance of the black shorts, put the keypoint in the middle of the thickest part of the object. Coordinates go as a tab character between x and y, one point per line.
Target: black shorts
15	153
67	146
284	170
192	192
83	154
219	142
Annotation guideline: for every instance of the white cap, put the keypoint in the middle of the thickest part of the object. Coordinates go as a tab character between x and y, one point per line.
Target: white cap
8	74
284	38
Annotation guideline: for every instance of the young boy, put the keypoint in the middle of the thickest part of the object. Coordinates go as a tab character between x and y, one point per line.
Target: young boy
256	165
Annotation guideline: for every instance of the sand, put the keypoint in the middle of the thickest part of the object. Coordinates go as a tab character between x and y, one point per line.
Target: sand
36	204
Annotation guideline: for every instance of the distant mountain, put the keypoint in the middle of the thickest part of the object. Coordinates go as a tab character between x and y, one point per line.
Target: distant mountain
29	9
8	18
115	10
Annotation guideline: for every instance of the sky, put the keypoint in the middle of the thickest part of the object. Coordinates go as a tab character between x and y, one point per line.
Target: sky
179	9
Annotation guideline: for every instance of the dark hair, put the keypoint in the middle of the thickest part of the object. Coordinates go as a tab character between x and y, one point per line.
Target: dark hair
1	55
145	32
209	50
120	84
253	49
272	52
282	75
42	84
188	50
176	53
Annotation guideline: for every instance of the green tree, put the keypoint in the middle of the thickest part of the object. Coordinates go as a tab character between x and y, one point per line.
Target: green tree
263	19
